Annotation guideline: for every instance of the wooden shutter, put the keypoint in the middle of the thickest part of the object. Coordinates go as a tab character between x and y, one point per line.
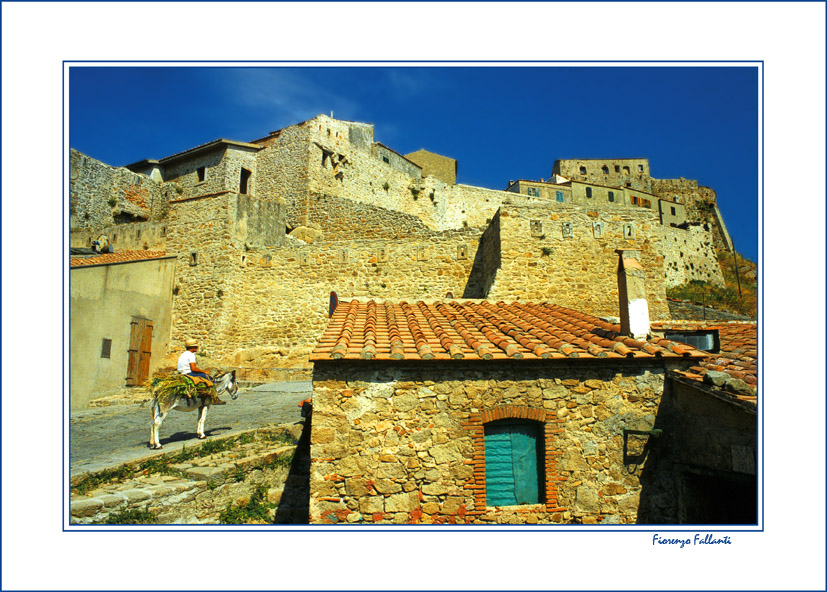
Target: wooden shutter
511	467
140	351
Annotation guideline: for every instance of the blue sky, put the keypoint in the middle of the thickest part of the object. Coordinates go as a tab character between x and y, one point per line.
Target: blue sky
500	123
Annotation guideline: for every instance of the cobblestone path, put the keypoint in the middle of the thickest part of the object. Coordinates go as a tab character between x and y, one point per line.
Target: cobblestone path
109	436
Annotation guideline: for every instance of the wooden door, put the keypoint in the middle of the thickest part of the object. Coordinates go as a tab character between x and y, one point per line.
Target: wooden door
140	352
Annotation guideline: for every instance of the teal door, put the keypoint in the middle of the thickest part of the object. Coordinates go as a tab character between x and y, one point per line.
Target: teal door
511	453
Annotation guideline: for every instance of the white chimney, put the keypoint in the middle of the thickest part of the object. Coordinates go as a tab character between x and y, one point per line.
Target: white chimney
631	287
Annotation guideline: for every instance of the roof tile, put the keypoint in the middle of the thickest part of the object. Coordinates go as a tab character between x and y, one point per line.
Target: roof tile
118	257
479	331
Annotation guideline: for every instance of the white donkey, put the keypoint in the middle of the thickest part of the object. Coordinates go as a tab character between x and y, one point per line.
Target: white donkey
224	383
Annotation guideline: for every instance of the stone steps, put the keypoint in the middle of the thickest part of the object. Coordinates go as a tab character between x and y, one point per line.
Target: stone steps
196	490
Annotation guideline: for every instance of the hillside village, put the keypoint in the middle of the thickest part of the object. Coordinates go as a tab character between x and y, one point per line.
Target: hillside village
437	321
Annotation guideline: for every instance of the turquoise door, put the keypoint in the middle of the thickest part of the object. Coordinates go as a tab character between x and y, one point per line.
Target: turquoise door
511	454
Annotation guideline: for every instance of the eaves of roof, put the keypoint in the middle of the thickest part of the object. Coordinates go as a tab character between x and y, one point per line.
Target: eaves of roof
118	257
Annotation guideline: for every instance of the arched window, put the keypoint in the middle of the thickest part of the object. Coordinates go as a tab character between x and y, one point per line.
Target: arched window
605	170
513	462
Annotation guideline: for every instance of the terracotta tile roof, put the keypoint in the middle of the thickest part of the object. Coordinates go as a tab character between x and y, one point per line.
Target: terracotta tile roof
117	257
479	331
738	355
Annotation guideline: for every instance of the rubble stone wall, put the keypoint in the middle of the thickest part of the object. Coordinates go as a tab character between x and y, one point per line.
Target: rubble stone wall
567	255
689	254
399	443
101	195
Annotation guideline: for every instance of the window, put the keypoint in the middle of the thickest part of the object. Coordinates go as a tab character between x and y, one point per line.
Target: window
588	191
193	259
672	209
582	170
633	200
640	168
560	196
611	195
513	461
617	168
534	192
106	348
626	170
245	179
202	174
605	170
386	159
708	341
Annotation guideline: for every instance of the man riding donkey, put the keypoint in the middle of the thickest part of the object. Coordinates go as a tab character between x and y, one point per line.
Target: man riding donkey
192	388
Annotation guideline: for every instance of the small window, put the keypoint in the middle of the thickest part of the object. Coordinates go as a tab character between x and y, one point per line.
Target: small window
611	195
582	170
708	341
202	174
672	210
534	192
513	463
560	196
626	170
193	259
106	347
386	159
243	185
605	170
588	191
640	168
617	168
633	200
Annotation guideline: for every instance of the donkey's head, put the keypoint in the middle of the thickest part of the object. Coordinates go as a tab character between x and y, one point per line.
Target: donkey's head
227	383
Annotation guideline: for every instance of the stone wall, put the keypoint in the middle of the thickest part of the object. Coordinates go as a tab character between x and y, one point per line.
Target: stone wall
276	300
396	443
101	195
147	236
566	254
689	254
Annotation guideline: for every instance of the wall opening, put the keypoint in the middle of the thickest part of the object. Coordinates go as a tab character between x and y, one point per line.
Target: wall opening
202	173
245	181
106	348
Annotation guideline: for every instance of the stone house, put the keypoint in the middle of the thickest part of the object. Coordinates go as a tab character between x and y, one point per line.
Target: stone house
480	412
120	319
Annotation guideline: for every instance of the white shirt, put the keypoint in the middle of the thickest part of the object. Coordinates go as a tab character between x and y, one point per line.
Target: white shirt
184	362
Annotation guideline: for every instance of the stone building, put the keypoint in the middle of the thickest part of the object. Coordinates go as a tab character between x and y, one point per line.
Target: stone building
263	231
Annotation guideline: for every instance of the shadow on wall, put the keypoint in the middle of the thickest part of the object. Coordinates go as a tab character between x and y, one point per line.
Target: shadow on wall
294	507
484	269
677	485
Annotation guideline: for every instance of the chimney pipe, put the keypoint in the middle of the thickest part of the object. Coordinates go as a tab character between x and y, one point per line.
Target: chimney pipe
631	287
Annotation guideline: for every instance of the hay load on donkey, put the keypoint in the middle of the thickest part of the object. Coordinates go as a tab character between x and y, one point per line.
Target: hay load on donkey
187	393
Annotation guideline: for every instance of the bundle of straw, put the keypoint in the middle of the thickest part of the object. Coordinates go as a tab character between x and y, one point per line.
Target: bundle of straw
169	388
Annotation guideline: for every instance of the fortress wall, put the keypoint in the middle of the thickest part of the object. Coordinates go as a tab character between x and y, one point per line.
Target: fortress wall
276	301
690	255
101	195
341	219
580	272
149	236
201	226
282	172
